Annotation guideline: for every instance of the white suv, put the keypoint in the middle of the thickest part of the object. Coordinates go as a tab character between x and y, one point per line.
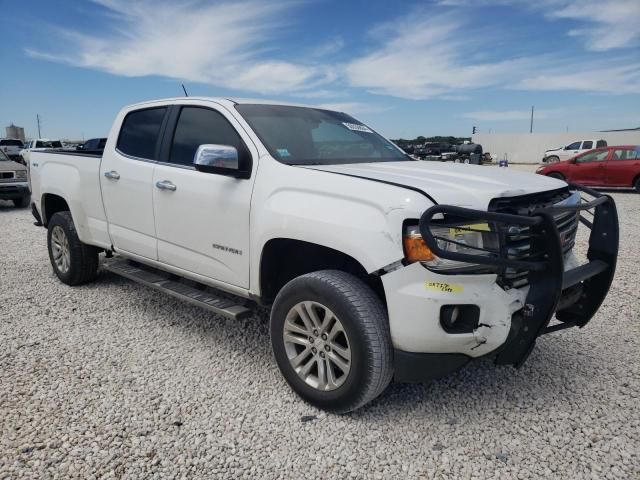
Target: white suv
11	147
571	150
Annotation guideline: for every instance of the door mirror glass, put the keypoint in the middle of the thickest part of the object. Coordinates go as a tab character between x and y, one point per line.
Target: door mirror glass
222	159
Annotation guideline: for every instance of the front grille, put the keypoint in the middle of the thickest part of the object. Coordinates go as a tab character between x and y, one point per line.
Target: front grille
7	175
516	240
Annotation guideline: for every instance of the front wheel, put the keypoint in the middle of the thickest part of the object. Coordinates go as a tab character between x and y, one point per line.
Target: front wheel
73	261
553	159
636	185
331	341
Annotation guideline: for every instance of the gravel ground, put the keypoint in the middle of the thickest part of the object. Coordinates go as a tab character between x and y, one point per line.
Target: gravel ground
112	380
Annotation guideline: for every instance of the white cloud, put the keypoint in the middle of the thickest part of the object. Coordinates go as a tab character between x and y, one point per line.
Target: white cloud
328	48
426	54
609	77
224	44
424	57
506	115
610	24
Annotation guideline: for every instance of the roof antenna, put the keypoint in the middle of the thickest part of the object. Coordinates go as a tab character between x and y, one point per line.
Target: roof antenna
185	90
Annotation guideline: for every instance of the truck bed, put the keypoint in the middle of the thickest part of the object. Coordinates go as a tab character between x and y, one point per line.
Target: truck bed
75	176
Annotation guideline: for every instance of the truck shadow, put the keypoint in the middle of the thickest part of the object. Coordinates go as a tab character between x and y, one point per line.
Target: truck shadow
552	370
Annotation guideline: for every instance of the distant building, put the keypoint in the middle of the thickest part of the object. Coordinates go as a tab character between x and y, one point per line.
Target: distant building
13	131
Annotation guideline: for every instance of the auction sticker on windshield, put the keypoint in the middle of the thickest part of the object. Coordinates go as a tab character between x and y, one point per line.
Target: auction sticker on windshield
356	127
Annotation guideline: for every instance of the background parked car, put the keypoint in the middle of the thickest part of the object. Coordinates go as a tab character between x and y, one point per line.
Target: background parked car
11	147
14	183
571	150
38	144
617	166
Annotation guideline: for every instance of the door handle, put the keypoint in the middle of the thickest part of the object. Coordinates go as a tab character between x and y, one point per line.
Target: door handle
166	185
112	175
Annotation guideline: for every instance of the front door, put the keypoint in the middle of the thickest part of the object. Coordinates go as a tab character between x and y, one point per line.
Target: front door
202	219
589	168
126	180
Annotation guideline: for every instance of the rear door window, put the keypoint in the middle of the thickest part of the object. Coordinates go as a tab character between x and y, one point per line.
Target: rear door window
140	131
587	145
198	126
601	143
626	154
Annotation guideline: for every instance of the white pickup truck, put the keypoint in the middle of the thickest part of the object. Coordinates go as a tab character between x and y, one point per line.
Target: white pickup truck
375	266
573	149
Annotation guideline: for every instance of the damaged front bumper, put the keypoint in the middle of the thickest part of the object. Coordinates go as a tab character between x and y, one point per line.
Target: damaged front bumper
511	319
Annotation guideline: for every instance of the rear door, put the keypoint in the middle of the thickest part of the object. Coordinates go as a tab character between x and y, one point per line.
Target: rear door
623	167
126	179
202	220
589	168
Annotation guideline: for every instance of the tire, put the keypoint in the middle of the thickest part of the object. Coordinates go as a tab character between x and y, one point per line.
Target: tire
80	262
366	337
553	159
636	185
557	175
22	202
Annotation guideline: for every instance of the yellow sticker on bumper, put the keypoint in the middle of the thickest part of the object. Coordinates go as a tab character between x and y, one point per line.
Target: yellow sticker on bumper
444	287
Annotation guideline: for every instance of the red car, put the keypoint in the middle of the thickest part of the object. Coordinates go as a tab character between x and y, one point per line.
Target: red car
603	167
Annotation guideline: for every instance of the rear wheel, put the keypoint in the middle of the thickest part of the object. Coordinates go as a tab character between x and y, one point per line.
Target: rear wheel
72	261
557	175
331	341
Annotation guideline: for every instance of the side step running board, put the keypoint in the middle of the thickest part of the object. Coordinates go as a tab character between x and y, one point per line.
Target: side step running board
162	281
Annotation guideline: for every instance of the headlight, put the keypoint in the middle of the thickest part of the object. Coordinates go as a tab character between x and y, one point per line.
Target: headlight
476	239
21	174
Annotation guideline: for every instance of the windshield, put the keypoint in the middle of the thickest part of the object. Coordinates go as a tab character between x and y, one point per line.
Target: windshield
310	136
11	143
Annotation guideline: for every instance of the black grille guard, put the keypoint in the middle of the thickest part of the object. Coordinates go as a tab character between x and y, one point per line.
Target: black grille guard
547	278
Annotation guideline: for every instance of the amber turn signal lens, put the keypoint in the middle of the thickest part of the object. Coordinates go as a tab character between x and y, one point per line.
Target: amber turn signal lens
415	250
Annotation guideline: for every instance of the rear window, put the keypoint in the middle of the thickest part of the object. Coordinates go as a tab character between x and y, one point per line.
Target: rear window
601	143
140	131
11	143
48	144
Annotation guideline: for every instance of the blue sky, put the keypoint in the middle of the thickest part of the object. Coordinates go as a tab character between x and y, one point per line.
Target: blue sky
406	68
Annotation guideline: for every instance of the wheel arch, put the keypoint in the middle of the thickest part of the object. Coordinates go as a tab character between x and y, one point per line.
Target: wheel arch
283	259
52	204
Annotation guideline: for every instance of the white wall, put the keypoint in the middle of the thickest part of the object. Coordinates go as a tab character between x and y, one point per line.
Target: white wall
529	148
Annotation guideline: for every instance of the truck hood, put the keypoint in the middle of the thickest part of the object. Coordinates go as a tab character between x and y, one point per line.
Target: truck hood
458	184
11	166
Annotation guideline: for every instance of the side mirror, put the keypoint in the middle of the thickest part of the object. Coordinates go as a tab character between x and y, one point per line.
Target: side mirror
220	159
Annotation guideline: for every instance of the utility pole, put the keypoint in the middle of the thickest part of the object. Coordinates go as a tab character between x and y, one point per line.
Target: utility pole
531	124
38	118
